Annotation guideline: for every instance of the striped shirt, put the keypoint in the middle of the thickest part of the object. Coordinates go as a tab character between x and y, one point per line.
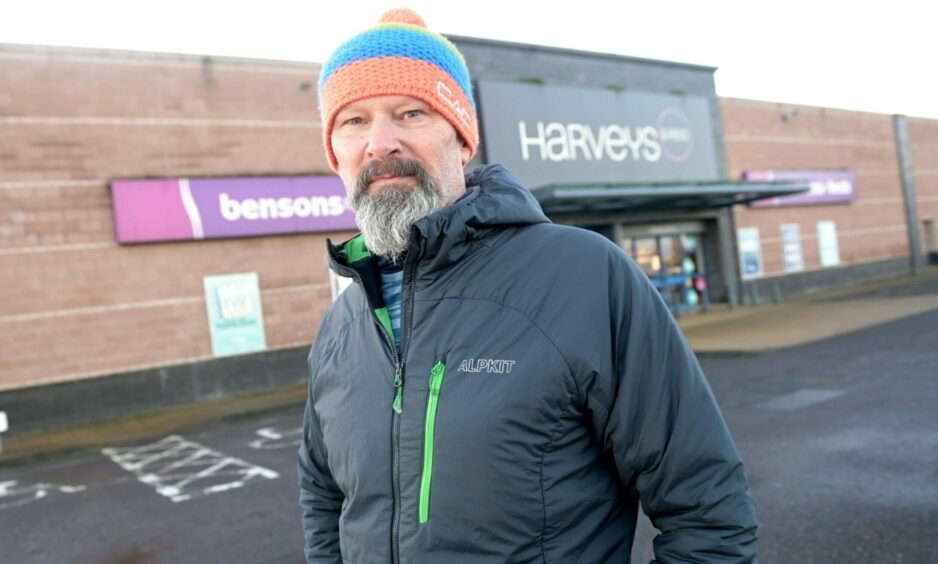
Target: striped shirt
392	280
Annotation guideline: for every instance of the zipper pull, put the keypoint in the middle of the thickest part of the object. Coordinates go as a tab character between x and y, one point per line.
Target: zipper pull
398	404
436	377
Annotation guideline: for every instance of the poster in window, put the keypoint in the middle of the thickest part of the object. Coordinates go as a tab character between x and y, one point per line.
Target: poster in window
338	284
827	243
791	247
750	252
235	318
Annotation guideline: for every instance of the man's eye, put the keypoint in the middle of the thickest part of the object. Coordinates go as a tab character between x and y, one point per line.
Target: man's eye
353	121
410	114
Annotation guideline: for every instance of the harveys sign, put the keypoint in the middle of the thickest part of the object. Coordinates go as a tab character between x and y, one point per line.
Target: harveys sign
562	134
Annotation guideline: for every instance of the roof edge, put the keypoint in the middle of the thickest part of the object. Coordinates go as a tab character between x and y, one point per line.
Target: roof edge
137	55
533	47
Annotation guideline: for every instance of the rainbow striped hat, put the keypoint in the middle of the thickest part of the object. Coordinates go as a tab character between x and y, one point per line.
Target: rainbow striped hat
399	56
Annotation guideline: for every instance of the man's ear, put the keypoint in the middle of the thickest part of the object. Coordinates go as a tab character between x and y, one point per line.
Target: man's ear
465	155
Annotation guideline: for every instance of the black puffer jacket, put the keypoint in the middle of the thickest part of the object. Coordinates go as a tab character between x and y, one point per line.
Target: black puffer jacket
541	390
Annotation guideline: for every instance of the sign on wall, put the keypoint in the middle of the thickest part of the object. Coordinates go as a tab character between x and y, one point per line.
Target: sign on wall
827	243
827	187
338	284
750	252
547	134
791	247
147	210
235	318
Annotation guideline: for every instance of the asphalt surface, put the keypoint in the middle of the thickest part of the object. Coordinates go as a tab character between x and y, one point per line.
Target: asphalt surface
839	438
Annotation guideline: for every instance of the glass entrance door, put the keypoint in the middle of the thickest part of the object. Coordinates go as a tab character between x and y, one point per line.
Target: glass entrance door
675	264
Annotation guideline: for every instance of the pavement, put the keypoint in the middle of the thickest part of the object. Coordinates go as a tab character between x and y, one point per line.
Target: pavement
811	317
721	330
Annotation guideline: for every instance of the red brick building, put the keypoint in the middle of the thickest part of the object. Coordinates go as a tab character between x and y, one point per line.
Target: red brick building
873	228
76	305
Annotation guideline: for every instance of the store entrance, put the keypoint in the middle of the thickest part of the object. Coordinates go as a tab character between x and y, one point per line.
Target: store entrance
673	258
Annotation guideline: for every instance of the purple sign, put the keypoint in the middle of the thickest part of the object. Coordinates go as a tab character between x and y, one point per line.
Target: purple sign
827	187
209	208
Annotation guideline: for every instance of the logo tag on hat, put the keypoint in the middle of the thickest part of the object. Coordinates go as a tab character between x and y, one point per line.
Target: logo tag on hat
446	93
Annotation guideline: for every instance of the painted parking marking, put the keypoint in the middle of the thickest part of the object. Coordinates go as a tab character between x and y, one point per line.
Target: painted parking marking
180	469
13	495
800	399
271	438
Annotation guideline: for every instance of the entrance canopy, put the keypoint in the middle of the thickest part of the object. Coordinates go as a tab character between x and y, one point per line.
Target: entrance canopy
556	198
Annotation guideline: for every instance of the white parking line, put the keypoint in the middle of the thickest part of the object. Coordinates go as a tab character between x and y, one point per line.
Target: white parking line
12	495
272	438
181	469
800	399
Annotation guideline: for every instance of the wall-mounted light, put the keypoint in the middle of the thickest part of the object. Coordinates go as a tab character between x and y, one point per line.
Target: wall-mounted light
789	115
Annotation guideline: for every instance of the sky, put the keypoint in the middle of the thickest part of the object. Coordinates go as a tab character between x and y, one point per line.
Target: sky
868	56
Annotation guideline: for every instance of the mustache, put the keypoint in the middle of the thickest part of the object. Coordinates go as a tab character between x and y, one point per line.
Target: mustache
394	167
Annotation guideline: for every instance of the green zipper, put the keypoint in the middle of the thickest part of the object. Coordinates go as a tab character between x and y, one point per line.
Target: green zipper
436	380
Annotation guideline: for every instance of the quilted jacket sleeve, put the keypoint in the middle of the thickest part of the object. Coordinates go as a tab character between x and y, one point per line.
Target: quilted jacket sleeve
320	497
656	414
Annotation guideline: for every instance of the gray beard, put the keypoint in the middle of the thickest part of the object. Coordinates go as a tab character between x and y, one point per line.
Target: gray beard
386	218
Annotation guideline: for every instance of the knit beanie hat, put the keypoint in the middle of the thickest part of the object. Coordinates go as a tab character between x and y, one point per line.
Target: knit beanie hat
399	56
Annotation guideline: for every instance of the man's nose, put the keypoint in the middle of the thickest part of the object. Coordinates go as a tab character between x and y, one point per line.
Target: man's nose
383	139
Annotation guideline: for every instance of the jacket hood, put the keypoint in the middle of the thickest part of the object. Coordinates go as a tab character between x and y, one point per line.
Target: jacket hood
494	199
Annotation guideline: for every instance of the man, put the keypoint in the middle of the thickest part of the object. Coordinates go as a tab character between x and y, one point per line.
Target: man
494	388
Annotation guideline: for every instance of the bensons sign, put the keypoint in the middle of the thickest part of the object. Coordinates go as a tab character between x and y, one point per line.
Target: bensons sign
147	210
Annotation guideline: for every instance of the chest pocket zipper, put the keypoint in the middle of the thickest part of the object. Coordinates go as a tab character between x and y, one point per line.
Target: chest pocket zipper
436	381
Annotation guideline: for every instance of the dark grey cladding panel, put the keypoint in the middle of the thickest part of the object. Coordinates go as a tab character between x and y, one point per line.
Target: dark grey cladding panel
495	60
533	64
554	134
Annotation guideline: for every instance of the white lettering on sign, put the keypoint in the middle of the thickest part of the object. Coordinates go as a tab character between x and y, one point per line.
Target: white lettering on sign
558	142
446	93
830	187
253	209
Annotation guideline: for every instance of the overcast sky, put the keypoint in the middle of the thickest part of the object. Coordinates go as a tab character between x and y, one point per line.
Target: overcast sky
879	57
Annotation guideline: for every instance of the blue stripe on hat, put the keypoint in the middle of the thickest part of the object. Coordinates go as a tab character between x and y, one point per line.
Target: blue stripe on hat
399	42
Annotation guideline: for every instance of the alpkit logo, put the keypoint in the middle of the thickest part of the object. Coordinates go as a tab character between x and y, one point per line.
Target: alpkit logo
489	365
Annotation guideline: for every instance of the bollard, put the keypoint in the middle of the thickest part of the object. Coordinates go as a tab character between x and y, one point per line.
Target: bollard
4	425
753	293
931	239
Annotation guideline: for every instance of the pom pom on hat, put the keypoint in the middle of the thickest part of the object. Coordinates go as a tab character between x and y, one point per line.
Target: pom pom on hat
399	56
403	15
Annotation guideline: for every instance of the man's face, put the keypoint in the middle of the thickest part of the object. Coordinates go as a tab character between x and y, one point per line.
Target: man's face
370	133
400	161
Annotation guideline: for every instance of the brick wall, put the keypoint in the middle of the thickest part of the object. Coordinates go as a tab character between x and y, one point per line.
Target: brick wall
74	303
771	136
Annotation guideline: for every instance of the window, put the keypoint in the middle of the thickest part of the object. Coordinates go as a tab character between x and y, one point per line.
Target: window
827	243
791	247
750	252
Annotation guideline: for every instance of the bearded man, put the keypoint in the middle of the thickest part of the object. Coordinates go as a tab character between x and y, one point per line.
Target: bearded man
493	387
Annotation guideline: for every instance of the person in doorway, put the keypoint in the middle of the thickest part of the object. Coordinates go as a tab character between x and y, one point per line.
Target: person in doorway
493	387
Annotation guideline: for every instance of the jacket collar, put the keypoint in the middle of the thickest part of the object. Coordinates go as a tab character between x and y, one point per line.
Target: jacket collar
495	200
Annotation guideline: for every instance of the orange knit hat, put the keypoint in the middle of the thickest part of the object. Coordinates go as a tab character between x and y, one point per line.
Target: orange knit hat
399	56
